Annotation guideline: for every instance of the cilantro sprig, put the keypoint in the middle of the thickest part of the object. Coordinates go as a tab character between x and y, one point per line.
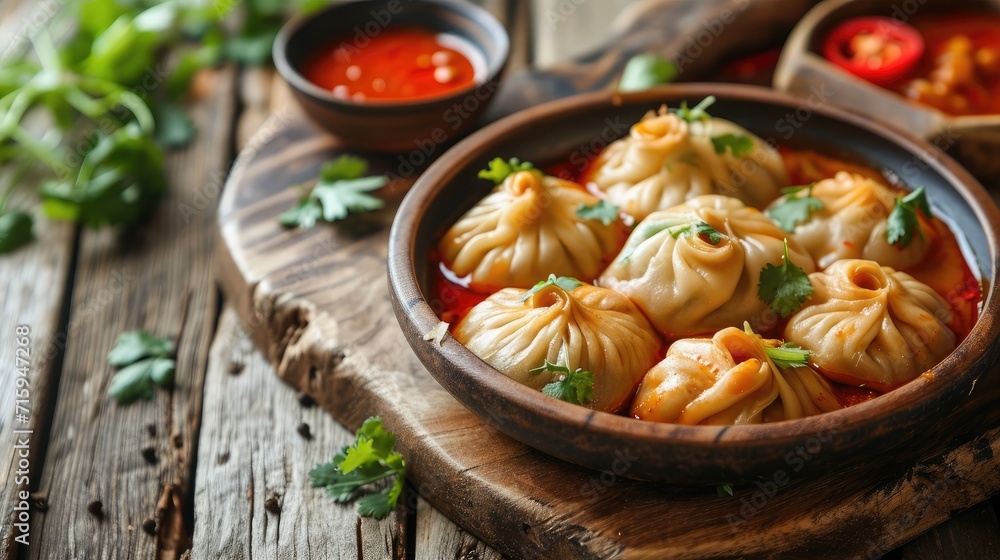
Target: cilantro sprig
903	224
699	228
604	211
575	387
370	459
737	144
795	209
644	71
565	282
676	227
784	288
499	169
144	359
696	113
786	355
341	190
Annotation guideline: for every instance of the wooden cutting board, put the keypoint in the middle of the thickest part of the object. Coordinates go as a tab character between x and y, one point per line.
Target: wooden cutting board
316	302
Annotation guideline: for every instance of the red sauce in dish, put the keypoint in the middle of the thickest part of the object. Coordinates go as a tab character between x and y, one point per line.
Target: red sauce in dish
399	64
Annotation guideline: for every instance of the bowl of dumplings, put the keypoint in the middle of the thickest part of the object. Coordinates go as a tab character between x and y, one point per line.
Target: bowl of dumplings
669	275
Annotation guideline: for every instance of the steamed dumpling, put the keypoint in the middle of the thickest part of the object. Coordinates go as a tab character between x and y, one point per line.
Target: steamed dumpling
688	283
852	224
870	325
586	327
729	379
526	229
666	160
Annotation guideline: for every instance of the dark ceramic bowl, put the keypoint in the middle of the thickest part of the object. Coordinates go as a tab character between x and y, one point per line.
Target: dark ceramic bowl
392	126
903	425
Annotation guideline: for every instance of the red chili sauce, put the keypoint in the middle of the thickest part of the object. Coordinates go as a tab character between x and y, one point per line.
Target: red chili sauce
398	64
944	269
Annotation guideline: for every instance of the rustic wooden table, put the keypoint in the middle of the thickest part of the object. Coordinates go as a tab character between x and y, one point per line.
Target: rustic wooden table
194	468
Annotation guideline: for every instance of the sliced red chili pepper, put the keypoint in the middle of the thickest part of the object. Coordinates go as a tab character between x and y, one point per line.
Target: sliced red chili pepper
878	49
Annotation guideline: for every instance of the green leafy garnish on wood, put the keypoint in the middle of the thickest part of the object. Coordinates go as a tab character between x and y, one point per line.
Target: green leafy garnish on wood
341	190
644	71
784	288
723	490
604	211
15	230
696	113
737	144
565	282
499	169
795	209
575	387
903	223
144	359
369	460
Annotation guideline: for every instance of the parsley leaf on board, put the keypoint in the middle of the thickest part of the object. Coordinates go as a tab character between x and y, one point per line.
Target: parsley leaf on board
696	113
902	223
499	169
15	230
574	387
644	71
369	460
565	282
133	346
604	211
341	190
794	210
144	359
723	490
737	144
784	288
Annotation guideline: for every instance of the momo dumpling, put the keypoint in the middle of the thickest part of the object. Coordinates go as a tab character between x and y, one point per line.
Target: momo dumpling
729	379
666	160
585	327
871	325
852	223
695	268
526	229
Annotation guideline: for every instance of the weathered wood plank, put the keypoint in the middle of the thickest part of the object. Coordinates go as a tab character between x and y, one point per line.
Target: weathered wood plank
973	533
251	450
96	447
438	538
562	29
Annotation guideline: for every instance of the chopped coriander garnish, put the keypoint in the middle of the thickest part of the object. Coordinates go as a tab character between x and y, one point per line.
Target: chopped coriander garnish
499	169
784	288
575	387
902	223
676	228
794	209
341	190
644	71
144	359
565	282
369	460
723	490
604	211
696	113
738	144
705	230
787	355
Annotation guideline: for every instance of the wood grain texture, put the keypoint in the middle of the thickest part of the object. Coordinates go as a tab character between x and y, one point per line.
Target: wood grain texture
972	533
154	278
317	306
438	538
251	451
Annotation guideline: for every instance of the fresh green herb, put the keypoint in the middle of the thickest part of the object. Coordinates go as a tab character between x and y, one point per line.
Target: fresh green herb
144	359
369	460
784	288
15	230
575	387
604	211
795	210
705	230
341	190
787	355
565	282
675	227
723	490
644	71
737	144
499	169
690	159
696	113
902	223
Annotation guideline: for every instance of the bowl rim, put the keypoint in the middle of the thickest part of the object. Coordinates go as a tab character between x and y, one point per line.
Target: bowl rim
415	309
470	12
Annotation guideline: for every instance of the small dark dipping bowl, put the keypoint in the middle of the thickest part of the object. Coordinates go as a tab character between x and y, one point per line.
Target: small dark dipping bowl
391	126
903	425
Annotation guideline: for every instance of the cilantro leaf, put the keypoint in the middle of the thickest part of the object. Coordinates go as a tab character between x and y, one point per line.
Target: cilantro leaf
738	144
784	288
499	169
15	230
341	190
144	359
705	230
574	387
604	211
788	355
174	127
369	460
344	167
794	210
305	214
696	113
644	71
565	282
133	346
723	490
902	223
